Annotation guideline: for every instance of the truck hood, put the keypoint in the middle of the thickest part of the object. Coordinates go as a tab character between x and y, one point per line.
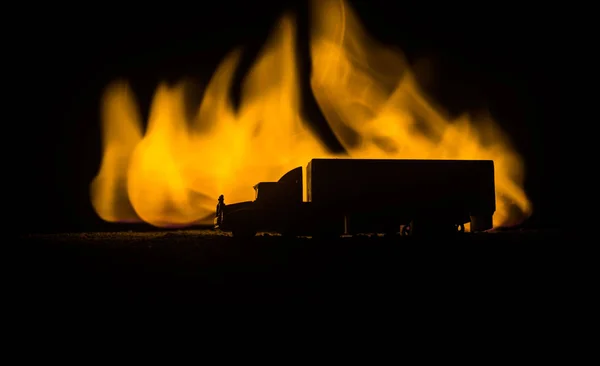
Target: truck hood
238	206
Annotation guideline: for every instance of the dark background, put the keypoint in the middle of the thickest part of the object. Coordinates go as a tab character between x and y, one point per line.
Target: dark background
492	56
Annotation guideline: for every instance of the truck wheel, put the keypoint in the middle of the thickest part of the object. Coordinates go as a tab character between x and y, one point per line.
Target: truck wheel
243	233
481	223
432	228
289	232
289	235
325	235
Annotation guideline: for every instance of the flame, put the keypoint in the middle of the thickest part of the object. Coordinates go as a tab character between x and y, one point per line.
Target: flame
171	175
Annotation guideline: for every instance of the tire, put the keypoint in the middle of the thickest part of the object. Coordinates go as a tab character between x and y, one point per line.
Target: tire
325	235
432	228
289	235
243	233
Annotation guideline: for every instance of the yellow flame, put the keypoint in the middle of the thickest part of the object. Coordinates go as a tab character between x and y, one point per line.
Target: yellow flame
374	106
172	175
121	133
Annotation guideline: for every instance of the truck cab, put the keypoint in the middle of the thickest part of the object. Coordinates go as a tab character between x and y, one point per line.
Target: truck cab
266	192
270	210
286	191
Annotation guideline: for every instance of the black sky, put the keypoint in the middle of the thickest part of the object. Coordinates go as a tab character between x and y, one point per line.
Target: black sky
482	57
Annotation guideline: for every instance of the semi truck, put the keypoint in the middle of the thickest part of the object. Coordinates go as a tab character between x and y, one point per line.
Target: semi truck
354	196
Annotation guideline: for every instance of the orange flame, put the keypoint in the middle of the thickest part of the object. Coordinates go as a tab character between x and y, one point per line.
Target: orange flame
171	175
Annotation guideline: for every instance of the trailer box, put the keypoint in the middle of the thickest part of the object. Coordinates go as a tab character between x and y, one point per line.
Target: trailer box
404	189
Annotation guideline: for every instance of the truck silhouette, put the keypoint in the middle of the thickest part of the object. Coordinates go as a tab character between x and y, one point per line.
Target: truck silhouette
352	196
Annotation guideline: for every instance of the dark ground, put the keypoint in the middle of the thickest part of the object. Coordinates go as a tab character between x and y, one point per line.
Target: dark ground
508	270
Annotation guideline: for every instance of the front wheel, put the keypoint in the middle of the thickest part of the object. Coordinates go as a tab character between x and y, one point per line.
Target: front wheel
243	233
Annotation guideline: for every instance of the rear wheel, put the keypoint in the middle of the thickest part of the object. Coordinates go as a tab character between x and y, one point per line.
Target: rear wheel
289	234
432	228
481	223
289	230
325	235
325	232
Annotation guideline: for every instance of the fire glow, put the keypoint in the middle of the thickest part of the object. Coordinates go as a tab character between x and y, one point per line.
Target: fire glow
171	174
